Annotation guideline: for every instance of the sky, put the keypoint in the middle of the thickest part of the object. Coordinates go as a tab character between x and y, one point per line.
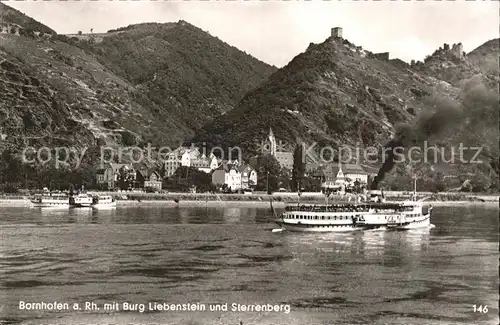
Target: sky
276	31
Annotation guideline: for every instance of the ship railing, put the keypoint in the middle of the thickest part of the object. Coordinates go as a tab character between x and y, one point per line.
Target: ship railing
326	209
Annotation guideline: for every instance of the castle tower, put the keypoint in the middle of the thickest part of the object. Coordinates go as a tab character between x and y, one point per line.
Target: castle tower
458	50
337	32
272	142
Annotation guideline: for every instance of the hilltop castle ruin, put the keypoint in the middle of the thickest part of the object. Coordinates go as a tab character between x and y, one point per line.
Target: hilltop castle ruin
336	32
456	51
336	35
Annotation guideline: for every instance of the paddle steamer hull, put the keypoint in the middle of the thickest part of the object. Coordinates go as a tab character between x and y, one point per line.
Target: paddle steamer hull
421	222
104	206
342	218
306	227
50	205
103	202
50	202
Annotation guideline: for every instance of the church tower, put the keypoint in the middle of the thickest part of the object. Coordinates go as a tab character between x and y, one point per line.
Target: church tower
272	143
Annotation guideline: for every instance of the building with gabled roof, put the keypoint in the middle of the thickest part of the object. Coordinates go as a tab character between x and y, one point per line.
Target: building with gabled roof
189	157
284	158
234	175
108	175
337	175
147	178
229	175
248	176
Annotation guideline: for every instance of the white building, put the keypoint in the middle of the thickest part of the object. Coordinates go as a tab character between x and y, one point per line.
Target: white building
248	176
189	157
234	176
228	175
335	176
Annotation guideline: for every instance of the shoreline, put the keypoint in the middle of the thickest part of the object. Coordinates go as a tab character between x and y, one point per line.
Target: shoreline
186	203
258	199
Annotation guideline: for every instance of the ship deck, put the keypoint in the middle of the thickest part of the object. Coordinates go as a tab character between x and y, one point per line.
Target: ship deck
345	207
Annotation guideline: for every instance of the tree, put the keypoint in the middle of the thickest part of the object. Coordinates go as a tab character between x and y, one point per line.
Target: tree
125	178
225	188
29	33
311	184
284	179
268	172
128	139
298	168
11	167
191	176
480	183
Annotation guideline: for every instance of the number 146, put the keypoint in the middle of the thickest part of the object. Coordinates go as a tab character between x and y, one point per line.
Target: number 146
480	309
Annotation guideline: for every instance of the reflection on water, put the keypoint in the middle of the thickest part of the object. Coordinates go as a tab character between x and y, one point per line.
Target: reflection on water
206	254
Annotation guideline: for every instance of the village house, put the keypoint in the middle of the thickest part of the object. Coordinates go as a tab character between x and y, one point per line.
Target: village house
148	179
234	175
338	176
108	176
189	157
248	176
228	175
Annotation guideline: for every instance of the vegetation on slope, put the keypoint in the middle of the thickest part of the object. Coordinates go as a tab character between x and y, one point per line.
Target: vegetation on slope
332	96
9	15
327	95
191	75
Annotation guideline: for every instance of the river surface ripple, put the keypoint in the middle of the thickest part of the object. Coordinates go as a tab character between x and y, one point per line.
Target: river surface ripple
229	255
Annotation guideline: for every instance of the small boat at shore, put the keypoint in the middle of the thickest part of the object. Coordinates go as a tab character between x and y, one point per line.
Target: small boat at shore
50	201
103	202
81	200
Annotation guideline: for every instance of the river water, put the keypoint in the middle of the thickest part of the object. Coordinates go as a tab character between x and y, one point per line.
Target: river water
229	255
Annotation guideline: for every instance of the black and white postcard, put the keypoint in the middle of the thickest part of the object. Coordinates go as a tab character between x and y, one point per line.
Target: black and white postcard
249	162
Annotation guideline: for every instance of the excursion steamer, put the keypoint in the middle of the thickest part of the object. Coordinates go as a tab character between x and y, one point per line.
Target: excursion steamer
354	216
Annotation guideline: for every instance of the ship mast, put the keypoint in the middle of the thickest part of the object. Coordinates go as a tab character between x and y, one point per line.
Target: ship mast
298	194
414	187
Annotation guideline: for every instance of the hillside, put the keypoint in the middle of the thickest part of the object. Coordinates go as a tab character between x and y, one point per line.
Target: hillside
151	82
12	16
485	57
333	93
338	94
453	65
191	74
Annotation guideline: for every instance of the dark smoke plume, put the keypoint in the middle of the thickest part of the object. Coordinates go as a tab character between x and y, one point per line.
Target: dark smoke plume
442	113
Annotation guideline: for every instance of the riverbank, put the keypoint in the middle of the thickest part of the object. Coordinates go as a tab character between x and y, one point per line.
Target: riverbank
263	204
287	197
249	200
